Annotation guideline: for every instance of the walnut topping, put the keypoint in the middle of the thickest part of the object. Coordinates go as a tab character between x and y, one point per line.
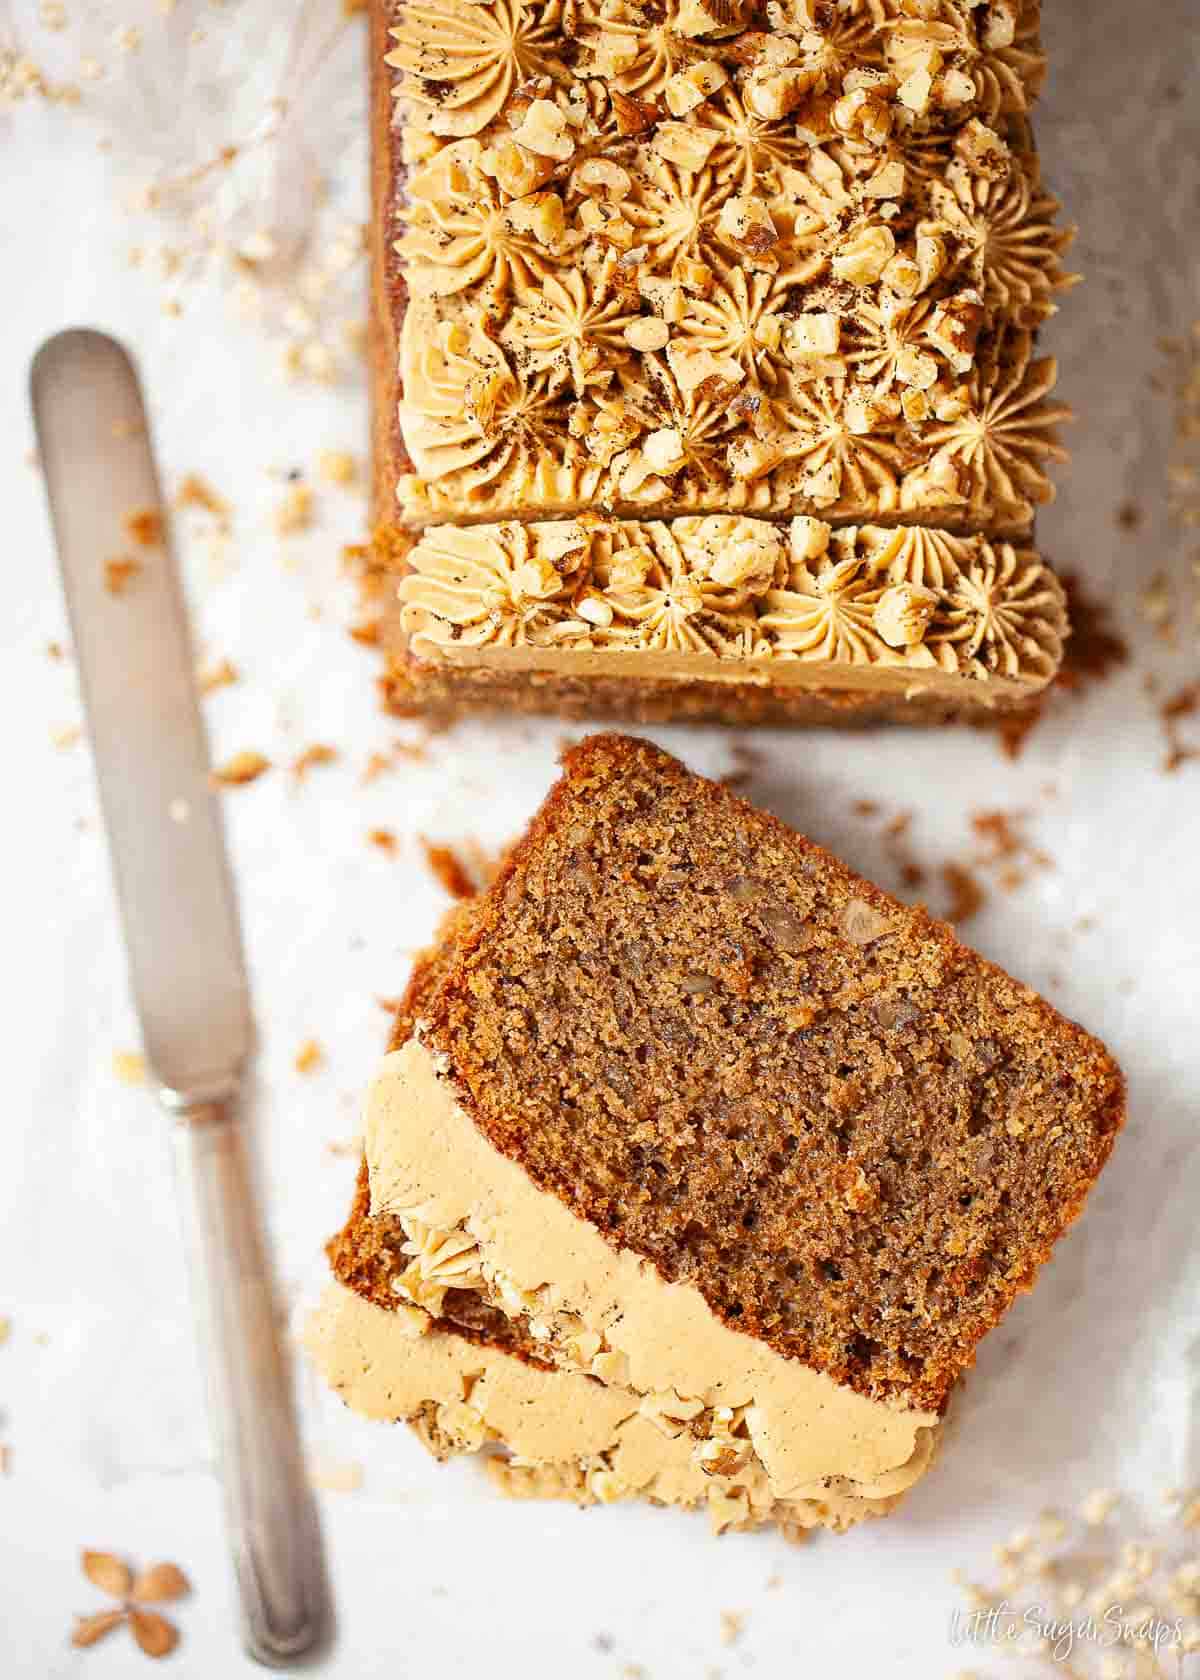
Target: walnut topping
793	181
728	586
684	145
544	130
691	87
647	333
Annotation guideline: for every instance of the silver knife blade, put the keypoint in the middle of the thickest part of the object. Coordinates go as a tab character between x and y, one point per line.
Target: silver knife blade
137	673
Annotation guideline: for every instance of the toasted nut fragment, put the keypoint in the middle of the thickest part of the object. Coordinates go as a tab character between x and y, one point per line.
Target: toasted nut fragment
541	214
634	116
770	94
902	614
612	54
887	181
664	296
914	367
746	221
954	328
691	87
916	91
694	368
865	255
663	450
515	170
600	176
693	276
863	924
544	130
708	17
751	458
809	538
684	145
982	150
647	333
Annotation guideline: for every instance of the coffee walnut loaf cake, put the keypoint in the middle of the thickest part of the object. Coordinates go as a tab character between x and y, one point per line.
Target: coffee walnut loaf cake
734	304
699	1166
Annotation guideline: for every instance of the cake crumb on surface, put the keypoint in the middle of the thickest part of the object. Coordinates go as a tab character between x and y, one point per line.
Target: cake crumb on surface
129	1067
309	1057
319	753
119	573
384	839
448	869
967	897
337	466
1184	703
733	1624
66	735
196	492
295	512
221	673
243	767
144	526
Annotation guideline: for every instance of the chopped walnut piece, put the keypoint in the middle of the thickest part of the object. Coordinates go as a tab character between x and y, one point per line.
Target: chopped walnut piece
903	612
691	87
684	145
602	176
746	221
543	130
243	767
119	573
863	924
541	214
863	258
515	169
771	94
633	116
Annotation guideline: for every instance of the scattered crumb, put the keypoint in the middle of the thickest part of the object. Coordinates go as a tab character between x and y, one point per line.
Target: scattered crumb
5	1329
54	650
1099	1506
119	573
129	1066
144	526
966	895
894	834
634	1671
340	1147
219	674
309	1057
243	767
414	752
337	466
774	1581
1157	606
377	765
333	1477
366	632
295	511
448	869
196	492
1128	516
65	736
603	1642
732	1624
384	839
312	756
1008	854
1183	704
5	1459
865	808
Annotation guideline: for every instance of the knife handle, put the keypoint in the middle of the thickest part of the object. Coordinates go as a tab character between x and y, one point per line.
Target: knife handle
270	1512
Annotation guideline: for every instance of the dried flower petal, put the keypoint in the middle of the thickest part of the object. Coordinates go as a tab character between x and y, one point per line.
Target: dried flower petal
160	1583
89	1630
154	1633
108	1572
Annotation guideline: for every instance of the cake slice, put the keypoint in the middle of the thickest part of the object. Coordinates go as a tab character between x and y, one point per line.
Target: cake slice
684	1108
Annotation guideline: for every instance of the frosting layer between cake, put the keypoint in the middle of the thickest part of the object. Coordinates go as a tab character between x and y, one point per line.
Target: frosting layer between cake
476	1221
566	1435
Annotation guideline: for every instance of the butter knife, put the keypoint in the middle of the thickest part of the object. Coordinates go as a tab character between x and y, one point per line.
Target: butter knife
185	956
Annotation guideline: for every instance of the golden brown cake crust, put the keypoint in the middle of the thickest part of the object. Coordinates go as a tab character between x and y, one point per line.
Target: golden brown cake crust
690	1024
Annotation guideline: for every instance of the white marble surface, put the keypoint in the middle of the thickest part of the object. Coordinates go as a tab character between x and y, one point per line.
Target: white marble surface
1092	1380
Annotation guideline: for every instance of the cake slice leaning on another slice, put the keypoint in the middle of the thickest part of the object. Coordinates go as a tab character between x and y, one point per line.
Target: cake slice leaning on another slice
726	1158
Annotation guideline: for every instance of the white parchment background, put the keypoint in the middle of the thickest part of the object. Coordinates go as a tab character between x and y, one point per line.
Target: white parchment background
1091	1381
